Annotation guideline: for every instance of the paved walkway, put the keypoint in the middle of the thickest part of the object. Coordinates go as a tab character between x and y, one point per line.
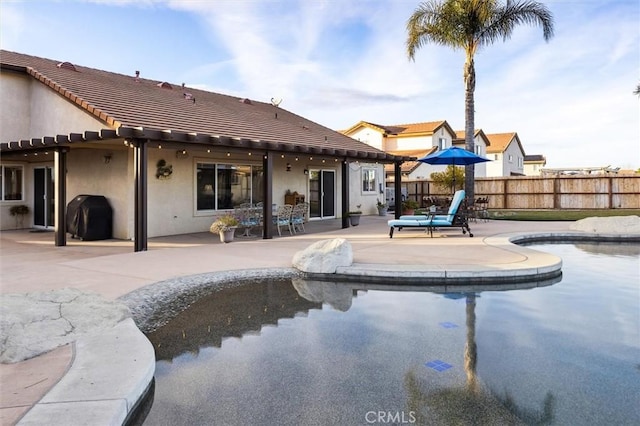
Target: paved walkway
29	262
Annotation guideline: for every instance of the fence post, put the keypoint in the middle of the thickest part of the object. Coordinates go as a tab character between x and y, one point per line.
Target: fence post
504	194
556	192
610	192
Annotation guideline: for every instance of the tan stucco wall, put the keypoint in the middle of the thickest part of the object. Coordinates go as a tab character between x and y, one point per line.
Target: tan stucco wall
368	136
367	201
15	104
32	110
89	175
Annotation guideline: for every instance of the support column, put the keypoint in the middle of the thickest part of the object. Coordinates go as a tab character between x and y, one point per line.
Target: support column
60	195
140	181
267	190
397	185
345	193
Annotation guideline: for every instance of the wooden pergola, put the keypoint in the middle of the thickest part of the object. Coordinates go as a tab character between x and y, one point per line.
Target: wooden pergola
139	139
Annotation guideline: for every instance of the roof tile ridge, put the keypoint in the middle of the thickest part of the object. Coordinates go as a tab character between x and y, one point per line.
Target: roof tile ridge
91	109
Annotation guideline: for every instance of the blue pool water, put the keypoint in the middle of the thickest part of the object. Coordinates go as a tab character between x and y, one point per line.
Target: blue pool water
330	353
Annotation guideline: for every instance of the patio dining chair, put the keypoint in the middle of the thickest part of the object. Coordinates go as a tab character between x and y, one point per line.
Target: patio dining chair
248	217
298	217
283	218
482	208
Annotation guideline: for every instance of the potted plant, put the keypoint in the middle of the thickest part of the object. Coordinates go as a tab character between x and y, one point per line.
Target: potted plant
19	212
409	206
382	208
354	217
225	226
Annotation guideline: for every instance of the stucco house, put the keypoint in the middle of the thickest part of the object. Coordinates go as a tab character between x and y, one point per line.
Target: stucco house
407	140
416	140
169	158
507	155
533	164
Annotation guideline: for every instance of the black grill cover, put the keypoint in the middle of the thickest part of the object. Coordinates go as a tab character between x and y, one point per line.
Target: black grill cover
89	217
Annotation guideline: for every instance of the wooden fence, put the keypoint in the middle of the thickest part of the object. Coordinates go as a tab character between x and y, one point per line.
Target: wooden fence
548	192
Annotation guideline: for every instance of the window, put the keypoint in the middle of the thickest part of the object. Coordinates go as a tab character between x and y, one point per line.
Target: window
510	158
368	180
520	162
225	186
478	150
11	183
442	143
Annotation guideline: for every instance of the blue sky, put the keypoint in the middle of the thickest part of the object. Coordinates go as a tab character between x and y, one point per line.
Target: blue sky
337	62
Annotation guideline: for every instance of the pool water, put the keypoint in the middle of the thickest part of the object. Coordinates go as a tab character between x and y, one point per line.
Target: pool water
346	354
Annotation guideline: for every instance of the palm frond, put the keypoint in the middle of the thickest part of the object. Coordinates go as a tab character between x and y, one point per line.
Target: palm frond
514	14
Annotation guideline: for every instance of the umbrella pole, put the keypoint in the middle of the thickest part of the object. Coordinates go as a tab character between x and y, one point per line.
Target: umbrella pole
453	171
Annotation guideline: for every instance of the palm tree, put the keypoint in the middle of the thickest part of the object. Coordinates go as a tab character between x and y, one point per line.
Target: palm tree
470	25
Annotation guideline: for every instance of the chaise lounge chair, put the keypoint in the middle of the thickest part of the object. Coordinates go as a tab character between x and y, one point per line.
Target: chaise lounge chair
453	219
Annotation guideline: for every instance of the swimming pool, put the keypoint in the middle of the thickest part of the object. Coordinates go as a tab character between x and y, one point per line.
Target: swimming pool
563	353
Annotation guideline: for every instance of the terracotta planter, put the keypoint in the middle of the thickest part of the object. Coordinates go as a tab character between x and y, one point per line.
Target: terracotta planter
408	211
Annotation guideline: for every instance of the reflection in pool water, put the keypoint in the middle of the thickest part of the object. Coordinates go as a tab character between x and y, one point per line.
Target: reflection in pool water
567	353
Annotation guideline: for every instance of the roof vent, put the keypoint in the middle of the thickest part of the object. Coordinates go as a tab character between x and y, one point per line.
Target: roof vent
189	97
67	66
164	85
246	101
137	76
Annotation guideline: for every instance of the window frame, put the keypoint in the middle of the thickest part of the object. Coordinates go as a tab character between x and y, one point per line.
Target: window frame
365	179
3	194
219	165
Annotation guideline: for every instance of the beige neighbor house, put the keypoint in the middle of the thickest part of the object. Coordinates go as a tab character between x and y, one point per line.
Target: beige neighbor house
507	155
168	158
533	164
407	140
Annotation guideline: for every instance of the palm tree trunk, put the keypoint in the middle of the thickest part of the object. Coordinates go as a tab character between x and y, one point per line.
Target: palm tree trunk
470	349
469	125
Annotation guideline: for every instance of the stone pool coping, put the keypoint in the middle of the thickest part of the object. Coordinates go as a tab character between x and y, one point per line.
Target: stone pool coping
93	392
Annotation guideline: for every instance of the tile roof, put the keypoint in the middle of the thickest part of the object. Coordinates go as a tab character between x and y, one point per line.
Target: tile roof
126	101
535	158
500	142
410	129
461	134
409	166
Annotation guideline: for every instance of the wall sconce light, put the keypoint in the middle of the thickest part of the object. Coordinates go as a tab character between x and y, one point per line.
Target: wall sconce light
288	167
182	153
107	158
306	171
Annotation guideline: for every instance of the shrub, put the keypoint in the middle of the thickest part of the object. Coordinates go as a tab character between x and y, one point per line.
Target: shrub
224	223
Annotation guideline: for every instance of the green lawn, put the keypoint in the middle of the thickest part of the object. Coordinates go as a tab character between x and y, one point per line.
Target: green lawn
558	214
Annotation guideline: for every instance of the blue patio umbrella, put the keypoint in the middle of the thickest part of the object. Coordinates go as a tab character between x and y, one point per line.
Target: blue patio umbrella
453	156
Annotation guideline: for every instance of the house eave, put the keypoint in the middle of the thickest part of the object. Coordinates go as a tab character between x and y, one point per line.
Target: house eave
195	139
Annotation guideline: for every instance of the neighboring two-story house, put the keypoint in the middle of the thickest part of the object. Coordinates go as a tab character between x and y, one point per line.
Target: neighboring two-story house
409	140
506	153
416	140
